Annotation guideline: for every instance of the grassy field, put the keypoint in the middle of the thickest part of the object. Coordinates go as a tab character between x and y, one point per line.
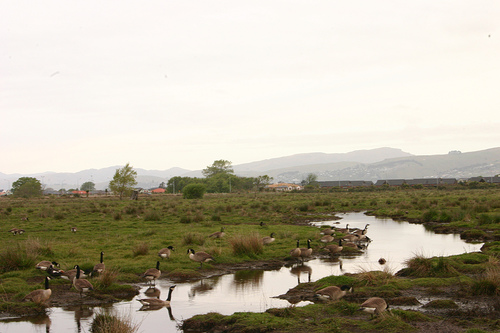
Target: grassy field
130	233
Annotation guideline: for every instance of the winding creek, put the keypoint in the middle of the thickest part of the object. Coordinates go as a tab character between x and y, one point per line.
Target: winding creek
256	290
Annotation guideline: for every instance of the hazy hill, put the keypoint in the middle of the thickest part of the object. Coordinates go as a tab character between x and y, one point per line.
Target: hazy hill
452	165
381	163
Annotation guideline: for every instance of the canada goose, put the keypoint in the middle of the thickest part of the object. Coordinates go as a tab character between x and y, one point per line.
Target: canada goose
40	296
16	231
334	248
156	302
295	253
361	232
262	225
165	252
333	293
54	272
218	234
73	229
382	261
45	264
268	239
352	245
81	285
70	275
344	230
100	267
327	239
151	274
306	252
199	256
351	238
374	306
329	231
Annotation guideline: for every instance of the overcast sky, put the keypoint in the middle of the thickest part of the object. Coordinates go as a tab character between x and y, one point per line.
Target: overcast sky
161	84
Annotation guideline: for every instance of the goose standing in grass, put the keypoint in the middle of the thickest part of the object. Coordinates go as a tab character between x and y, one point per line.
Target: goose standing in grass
69	275
40	296
156	302
268	239
306	252
374	306
100	267
344	230
81	285
45	265
151	274
295	253
54	272
334	248
333	293
199	256
165	252
351	238
362	232
328	231
218	234
327	239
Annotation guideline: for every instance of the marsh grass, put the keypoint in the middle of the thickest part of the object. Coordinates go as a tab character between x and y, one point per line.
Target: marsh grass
110	323
140	249
193	238
420	266
107	278
17	257
246	245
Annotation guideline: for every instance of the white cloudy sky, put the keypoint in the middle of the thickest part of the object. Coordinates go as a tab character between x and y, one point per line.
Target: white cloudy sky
92	84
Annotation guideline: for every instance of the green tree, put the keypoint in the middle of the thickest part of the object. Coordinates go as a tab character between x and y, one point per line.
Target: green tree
87	186
311	180
194	191
27	187
261	181
123	181
218	167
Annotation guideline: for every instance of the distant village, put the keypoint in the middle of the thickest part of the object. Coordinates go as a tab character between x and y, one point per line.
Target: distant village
286	187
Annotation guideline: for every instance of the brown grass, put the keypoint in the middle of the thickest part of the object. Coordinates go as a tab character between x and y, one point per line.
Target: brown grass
249	245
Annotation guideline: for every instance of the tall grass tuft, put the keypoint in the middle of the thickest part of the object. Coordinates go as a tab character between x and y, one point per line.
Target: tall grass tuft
109	323
107	278
249	245
152	215
193	238
140	249
16	257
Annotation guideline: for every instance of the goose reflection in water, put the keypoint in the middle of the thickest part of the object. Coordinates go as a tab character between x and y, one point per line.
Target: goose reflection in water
159	307
80	312
247	278
299	269
152	292
203	287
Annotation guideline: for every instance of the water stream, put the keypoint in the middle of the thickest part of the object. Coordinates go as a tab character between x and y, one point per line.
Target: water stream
255	290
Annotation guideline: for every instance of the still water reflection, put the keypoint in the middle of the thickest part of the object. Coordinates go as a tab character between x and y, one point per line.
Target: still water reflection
255	290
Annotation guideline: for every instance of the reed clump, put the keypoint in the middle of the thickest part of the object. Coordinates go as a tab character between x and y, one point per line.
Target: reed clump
110	323
140	249
246	245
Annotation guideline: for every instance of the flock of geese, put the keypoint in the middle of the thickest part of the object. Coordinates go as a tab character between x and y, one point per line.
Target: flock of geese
349	238
344	238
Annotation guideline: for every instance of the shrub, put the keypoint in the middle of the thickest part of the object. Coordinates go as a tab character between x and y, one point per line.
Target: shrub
16	258
249	245
140	249
193	238
194	191
152	215
108	323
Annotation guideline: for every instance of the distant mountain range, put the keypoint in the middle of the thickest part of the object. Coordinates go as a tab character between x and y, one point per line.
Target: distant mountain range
374	164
